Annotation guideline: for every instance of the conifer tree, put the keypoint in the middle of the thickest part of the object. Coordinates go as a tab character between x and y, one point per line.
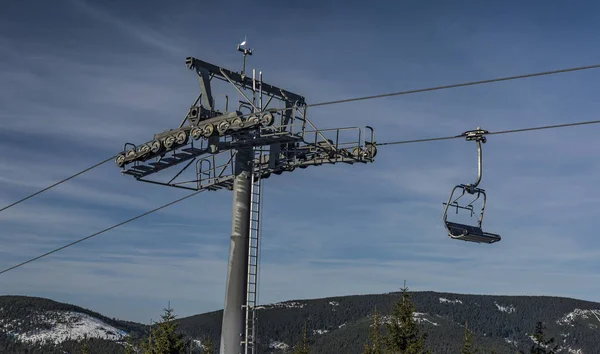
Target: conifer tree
129	345
403	334
373	345
128	349
84	348
302	348
468	345
541	345
164	339
208	346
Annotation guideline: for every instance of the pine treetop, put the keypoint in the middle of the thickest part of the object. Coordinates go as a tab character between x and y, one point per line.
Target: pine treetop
403	333
303	347
164	338
468	345
373	345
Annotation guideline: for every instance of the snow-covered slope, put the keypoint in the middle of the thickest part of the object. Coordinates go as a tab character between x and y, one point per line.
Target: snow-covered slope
58	326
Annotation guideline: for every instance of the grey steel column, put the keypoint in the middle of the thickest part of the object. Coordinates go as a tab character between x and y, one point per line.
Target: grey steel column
237	269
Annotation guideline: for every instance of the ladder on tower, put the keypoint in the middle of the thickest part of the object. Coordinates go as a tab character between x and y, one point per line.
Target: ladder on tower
249	340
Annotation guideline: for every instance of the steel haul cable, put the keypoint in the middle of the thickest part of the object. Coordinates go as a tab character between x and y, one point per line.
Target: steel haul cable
57	183
511	131
435	88
472	83
101	232
492	133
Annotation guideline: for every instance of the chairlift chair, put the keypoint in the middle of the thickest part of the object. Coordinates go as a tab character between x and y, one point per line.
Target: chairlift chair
465	232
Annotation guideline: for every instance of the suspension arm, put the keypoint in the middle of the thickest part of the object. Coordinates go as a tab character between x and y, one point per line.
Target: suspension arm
478	136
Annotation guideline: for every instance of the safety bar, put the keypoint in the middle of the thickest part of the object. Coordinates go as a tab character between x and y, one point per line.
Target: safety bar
465	187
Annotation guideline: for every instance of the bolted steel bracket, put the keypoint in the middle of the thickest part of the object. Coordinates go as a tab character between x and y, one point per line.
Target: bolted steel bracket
476	135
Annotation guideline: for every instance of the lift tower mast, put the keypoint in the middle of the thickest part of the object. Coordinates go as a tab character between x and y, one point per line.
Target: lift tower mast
235	150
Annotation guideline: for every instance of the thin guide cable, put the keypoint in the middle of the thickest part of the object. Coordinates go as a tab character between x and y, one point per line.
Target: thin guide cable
435	88
57	183
510	131
472	83
100	232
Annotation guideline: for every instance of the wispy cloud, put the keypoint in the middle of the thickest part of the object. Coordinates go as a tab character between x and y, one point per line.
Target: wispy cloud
143	33
338	229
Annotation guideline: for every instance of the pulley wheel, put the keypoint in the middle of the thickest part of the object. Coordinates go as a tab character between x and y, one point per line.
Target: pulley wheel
155	146
371	150
181	138
253	120
208	130
143	149
236	123
196	133
169	141
130	154
266	119
120	160
222	127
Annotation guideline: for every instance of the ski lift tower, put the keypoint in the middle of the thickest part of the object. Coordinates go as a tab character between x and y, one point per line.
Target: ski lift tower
235	149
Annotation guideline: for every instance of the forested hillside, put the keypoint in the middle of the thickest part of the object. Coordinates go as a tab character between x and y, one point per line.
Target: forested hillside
37	325
340	324
334	325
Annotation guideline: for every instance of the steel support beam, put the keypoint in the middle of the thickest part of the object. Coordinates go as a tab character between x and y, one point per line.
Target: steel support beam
194	63
237	268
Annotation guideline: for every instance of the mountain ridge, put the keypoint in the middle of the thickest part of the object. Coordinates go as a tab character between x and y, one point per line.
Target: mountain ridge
335	323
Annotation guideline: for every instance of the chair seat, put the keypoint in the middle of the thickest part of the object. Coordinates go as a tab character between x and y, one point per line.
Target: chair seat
470	233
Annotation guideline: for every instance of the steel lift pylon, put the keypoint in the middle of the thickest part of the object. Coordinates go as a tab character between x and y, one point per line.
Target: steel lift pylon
236	149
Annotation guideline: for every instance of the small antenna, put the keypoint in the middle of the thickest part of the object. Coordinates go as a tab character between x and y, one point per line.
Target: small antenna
245	52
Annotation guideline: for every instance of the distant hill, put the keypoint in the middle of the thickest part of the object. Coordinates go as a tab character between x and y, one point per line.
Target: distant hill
336	324
339	324
36	325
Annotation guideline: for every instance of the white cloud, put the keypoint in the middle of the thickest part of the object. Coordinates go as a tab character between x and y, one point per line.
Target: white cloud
127	26
337	229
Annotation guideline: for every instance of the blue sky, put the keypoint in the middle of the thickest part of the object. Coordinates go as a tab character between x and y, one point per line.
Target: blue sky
80	78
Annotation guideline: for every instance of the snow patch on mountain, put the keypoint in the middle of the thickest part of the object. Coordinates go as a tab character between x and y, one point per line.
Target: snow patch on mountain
275	344
285	304
569	318
507	309
58	326
511	341
334	303
560	349
197	343
418	317
320	331
448	301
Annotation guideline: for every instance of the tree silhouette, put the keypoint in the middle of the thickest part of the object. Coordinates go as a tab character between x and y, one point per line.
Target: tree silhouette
302	348
468	344
403	334
164	339
541	345
373	345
